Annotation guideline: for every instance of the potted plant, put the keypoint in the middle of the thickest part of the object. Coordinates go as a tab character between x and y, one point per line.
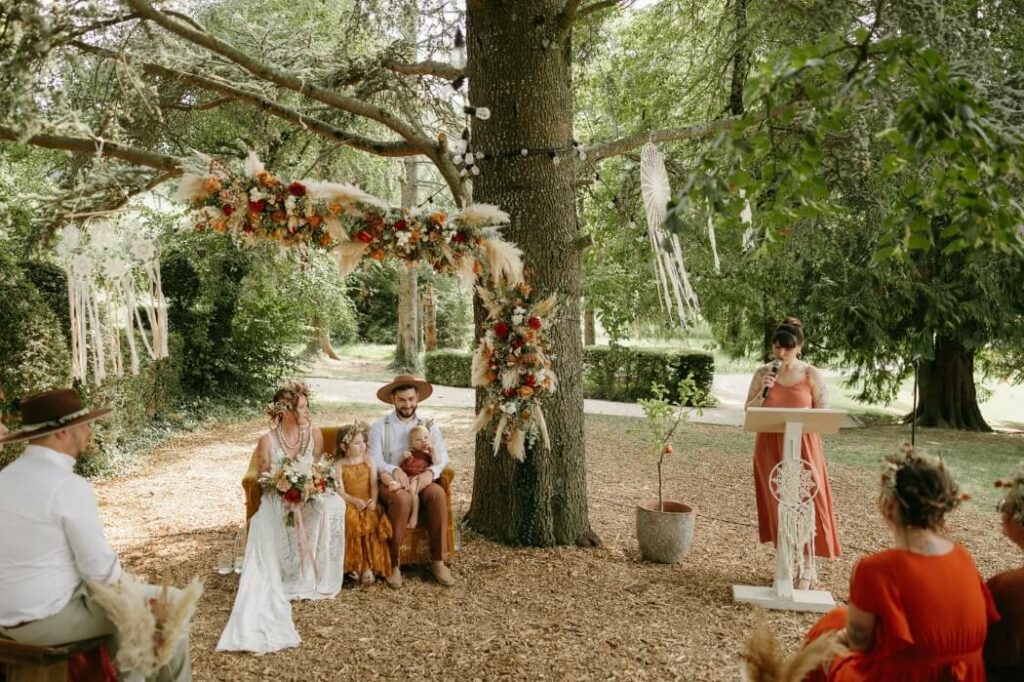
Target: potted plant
664	528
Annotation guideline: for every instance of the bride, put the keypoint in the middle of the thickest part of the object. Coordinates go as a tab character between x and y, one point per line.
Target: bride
281	563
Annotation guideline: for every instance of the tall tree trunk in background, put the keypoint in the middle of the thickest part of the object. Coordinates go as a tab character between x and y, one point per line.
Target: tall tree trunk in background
948	397
407	348
740	59
429	317
520	67
323	338
589	326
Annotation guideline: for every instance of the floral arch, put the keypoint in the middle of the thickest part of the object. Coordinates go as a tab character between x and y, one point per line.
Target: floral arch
512	362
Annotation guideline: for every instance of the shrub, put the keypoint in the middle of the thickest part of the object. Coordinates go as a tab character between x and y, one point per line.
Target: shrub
453	307
627	374
448	367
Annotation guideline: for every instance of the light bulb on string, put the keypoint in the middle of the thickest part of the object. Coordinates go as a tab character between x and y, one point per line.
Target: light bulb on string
555	158
458	52
476	170
482	113
468	158
524	152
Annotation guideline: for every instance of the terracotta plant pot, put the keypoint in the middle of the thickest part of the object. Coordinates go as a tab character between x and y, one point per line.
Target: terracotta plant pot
664	536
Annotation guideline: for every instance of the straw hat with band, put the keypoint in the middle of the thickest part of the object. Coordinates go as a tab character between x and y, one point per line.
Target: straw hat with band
45	413
423	389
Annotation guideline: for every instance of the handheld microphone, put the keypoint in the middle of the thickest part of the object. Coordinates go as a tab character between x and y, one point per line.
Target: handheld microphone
775	372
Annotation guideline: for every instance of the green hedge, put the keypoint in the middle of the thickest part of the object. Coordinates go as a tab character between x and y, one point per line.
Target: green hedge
626	374
609	373
449	367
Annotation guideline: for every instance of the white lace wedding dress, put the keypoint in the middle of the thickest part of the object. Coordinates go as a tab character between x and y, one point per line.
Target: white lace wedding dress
273	572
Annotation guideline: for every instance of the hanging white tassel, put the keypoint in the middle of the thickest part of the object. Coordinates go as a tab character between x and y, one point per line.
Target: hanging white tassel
714	243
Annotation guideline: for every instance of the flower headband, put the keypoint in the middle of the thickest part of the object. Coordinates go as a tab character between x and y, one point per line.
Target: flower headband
358	427
892	464
1012	503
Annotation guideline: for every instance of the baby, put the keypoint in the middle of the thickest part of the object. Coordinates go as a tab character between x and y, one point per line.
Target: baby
415	462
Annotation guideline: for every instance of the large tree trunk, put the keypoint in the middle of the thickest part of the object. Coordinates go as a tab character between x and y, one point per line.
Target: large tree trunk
323	338
527	85
947	394
407	347
429	317
589	326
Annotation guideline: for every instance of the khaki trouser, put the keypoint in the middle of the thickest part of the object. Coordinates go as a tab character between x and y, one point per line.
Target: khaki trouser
83	619
433	511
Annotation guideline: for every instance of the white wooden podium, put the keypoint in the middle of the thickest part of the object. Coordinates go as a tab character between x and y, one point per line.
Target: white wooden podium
792	423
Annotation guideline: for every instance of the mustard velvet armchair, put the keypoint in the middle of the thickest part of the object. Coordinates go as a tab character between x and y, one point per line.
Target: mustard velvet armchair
416	544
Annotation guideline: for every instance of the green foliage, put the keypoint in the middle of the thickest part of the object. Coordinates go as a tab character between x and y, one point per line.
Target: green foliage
448	367
375	294
453	308
627	374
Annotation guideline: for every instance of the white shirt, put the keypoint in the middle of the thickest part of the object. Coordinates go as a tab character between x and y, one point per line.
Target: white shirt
51	538
399	442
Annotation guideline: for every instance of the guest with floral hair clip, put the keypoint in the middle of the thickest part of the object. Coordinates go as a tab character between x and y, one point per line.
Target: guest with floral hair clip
918	612
1004	648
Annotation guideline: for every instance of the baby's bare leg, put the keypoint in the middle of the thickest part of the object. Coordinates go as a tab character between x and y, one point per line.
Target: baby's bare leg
414	490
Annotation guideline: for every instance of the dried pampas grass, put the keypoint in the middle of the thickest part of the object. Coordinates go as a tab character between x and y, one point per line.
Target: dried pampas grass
343	193
149	628
517	444
504	260
349	254
763	660
480	366
542	424
253	165
190	187
482	215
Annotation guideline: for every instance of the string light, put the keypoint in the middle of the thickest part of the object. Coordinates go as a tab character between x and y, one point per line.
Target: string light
458	53
482	113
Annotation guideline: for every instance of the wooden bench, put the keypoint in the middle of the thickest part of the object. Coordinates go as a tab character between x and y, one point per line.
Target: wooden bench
30	663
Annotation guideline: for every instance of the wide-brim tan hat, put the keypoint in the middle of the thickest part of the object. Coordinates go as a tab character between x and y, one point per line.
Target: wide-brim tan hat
45	413
423	388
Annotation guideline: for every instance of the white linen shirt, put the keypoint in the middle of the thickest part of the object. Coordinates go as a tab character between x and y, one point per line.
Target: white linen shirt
51	538
400	428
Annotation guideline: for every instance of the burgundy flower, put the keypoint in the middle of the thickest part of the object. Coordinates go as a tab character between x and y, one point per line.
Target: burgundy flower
364	236
459	238
248	228
297	189
257	206
501	329
400	224
227	209
534	323
530	380
293	495
509	392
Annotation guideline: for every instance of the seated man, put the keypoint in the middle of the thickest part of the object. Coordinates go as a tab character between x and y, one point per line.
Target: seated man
389	439
51	534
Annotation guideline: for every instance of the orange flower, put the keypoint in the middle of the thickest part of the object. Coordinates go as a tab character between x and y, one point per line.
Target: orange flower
219	225
325	239
414	237
276	235
211	184
438	218
279	216
314	221
266	179
492	377
525	391
525	415
478	267
378	254
529	335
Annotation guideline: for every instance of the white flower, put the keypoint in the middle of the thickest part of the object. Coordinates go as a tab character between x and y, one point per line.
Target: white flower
517	319
289	204
509	407
402	237
255	194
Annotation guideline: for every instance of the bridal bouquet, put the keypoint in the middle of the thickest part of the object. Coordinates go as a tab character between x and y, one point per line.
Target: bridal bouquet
324	478
294	485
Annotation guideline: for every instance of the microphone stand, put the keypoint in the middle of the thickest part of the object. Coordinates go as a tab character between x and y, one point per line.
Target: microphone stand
913	415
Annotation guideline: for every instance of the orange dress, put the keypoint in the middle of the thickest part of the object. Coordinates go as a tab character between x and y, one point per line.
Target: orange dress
768	451
367	531
1004	648
932	615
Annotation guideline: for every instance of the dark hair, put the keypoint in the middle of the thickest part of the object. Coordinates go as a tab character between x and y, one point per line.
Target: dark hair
406	387
789	334
925	493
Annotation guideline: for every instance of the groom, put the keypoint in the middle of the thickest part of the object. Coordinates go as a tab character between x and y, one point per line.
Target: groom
388	439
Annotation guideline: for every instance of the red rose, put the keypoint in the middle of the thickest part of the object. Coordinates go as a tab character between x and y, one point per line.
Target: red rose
399	225
257	206
293	495
364	236
501	329
248	228
458	238
321	485
227	209
297	189
533	323
509	392
530	380
517	343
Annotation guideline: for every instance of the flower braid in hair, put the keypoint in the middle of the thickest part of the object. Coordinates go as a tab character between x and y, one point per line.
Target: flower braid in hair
346	434
1012	503
921	486
286	399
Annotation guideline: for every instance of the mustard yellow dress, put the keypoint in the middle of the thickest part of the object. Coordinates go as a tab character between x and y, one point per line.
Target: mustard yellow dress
366	532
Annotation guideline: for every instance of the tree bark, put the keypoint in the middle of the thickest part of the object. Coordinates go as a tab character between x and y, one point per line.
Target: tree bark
323	339
947	393
739	60
589	326
522	71
407	348
429	317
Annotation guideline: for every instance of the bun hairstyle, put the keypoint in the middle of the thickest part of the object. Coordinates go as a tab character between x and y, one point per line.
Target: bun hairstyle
922	488
789	334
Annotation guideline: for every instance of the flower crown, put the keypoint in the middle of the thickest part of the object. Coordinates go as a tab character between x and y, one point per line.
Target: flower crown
892	464
358	427
1012	503
293	390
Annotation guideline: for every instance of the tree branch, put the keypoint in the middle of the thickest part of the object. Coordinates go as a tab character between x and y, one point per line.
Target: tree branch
99	148
314	125
596	7
428	68
280	77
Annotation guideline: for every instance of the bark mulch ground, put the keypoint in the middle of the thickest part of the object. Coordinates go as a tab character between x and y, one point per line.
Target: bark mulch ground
515	613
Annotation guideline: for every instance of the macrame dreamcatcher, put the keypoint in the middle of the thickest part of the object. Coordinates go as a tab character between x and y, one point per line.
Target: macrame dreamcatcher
794	484
675	291
112	272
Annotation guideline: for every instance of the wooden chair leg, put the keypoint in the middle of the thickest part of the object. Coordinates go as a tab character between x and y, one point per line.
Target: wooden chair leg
58	672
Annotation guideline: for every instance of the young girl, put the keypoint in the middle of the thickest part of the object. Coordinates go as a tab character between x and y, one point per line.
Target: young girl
367	529
415	462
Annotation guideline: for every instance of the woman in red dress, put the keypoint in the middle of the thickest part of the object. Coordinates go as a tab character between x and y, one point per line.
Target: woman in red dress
790	382
918	612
